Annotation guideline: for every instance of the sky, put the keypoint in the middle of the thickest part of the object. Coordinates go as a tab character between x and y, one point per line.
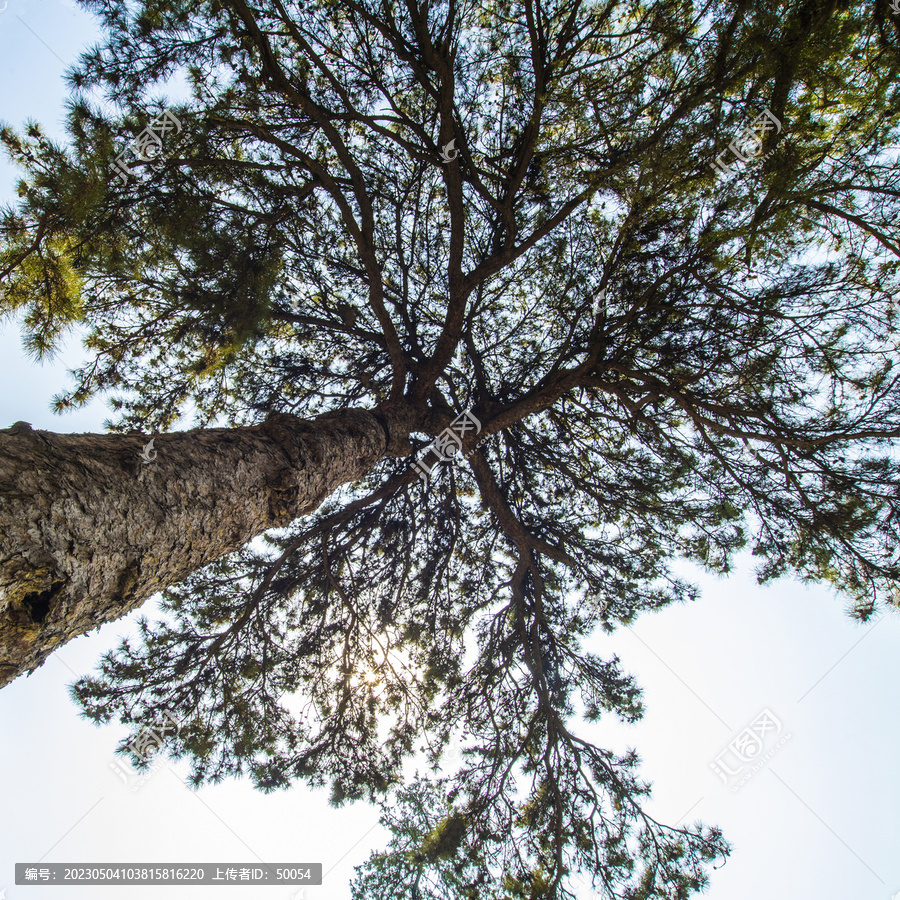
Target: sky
783	663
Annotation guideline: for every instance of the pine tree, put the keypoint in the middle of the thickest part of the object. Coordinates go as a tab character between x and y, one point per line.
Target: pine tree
379	215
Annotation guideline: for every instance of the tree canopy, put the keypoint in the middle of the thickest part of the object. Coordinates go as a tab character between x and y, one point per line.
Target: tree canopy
514	208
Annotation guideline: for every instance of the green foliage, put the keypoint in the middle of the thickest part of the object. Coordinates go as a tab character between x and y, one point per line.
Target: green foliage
444	840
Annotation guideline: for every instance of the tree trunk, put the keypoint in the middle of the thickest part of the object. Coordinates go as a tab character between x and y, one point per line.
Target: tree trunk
89	530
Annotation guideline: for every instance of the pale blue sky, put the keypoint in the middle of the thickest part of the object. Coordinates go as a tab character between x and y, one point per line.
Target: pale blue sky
819	821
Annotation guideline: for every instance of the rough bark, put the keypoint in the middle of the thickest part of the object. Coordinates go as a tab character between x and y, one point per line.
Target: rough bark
89	531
